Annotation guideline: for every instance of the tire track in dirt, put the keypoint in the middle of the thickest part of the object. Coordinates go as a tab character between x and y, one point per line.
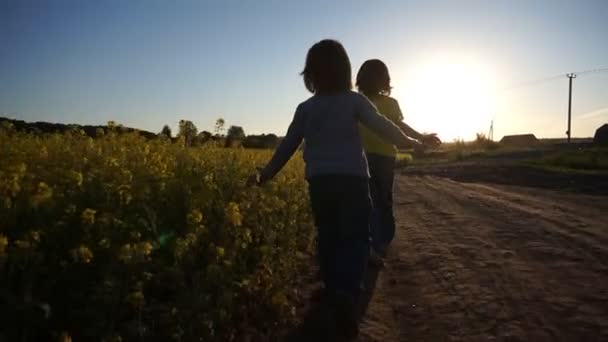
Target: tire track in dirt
474	262
564	216
556	225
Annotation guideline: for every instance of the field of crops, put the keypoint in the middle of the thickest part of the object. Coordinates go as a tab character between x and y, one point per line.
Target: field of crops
123	238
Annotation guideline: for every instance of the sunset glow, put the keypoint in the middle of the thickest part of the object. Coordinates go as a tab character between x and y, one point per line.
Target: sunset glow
455	99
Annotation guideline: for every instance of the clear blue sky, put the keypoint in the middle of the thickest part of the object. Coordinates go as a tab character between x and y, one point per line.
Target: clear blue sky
150	63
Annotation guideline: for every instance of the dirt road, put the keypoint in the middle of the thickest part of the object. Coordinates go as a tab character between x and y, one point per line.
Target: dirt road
481	262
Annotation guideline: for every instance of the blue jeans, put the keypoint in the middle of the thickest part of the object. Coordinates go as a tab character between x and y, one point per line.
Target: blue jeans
341	206
382	173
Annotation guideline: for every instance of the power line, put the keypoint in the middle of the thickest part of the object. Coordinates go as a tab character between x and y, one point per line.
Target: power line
534	82
591	72
570	77
554	78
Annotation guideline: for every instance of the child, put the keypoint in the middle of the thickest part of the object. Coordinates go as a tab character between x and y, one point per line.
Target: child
373	81
336	170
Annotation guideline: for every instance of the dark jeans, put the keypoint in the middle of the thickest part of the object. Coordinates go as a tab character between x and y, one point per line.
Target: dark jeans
382	228
341	206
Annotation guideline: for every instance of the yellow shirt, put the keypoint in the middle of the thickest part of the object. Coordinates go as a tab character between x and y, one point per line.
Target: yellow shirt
372	143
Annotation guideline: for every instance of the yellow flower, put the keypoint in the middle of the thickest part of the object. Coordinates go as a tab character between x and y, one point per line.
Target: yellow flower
3	243
233	214
76	177
135	252
143	249
126	253
70	209
127	175
124	193
181	247
82	254
247	236
65	337
195	216
113	162
44	190
104	243
112	338
43	194
136	298
23	244
35	235
21	168
279	299
88	216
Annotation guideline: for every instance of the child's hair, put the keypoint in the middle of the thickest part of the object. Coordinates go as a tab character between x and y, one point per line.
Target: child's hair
373	78
327	68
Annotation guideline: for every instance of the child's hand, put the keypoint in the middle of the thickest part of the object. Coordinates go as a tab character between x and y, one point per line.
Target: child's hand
431	140
419	149
256	179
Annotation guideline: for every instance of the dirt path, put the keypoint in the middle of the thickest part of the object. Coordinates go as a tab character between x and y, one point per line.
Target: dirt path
475	262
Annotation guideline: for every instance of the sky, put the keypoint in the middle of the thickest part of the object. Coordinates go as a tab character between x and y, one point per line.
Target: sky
455	65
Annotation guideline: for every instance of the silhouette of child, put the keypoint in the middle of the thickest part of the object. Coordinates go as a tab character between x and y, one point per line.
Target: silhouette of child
373	81
336	171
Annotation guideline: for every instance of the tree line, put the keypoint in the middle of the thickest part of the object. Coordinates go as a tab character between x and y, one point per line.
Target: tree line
235	135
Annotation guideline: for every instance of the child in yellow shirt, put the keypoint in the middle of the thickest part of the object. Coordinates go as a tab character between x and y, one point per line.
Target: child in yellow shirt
373	81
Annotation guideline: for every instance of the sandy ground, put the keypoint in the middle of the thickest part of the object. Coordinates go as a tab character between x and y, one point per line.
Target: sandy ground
487	262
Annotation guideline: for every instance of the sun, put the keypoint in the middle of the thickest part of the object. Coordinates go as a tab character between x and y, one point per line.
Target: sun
454	99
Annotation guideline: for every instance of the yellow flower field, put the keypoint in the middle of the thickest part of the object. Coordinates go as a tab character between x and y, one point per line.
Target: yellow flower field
121	237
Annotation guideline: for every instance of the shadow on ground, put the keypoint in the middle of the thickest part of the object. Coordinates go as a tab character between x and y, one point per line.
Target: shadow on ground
317	323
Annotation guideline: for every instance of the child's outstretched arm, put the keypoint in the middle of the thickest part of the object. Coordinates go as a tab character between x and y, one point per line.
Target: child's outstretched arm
286	148
430	140
408	130
368	115
427	139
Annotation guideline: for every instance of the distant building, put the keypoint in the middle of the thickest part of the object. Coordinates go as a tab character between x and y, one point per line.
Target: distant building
601	135
519	140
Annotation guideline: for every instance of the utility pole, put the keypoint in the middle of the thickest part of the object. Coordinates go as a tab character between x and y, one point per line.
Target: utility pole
491	132
569	131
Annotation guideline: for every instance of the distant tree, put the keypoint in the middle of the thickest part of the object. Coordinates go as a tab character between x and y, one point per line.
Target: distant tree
188	130
203	137
482	141
236	133
88	130
219	126
270	140
166	131
7	125
235	136
261	141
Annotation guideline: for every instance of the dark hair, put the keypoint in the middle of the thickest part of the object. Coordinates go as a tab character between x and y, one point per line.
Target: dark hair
373	78
327	68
